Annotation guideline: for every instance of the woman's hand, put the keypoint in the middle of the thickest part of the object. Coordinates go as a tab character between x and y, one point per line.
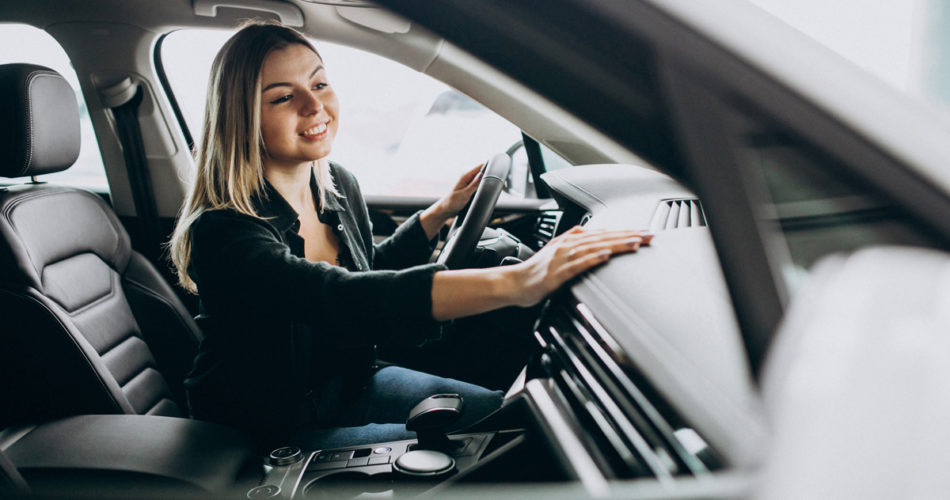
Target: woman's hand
434	217
567	256
461	193
464	292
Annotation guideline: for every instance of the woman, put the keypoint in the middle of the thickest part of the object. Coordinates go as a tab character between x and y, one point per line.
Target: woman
294	295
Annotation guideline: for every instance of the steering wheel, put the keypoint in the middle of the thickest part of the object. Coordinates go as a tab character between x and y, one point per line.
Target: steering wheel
472	220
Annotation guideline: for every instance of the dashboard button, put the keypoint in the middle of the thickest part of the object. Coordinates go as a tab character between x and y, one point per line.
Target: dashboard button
285	455
341	455
327	465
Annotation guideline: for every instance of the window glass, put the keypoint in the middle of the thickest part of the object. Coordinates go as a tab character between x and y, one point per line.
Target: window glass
25	44
520	175
401	132
552	160
520	178
815	206
904	43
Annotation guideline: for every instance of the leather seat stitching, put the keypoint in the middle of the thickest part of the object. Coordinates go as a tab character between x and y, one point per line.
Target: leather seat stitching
29	123
160	395
148	362
94	302
121	340
30	80
149	412
22	198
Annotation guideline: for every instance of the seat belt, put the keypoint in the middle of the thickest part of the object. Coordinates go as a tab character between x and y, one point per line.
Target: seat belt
124	99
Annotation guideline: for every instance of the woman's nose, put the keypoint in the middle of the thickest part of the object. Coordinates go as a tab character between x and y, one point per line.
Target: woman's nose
311	104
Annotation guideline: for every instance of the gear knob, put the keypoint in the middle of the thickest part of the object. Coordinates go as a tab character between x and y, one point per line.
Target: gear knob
432	416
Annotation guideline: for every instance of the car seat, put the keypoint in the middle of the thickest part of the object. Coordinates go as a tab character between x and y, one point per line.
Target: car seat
87	324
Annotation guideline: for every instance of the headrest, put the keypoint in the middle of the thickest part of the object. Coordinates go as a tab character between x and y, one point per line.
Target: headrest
39	121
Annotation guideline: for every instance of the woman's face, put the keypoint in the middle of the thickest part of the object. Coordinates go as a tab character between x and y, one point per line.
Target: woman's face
299	110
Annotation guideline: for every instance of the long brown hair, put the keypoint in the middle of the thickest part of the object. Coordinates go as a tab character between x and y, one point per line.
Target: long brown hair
230	155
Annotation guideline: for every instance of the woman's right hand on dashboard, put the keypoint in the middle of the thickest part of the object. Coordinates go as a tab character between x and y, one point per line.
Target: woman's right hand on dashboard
465	292
569	255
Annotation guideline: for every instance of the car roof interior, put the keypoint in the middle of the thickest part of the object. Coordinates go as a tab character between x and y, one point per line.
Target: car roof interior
120	37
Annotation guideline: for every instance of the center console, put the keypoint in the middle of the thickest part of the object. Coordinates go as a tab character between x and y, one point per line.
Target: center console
378	468
432	461
126	456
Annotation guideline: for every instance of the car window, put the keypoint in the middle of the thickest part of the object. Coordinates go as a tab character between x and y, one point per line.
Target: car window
902	43
20	43
812	202
401	132
521	182
816	205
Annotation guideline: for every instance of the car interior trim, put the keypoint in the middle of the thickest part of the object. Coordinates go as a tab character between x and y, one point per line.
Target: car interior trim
608	361
754	278
595	399
565	439
289	14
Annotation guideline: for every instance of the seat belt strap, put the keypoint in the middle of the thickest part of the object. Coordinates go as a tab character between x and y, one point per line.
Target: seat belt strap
124	99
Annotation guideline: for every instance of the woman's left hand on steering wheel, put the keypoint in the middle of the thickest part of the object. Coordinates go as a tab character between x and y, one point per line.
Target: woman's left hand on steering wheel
453	203
434	217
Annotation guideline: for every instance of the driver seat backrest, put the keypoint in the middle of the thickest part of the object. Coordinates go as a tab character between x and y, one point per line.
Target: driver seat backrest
88	324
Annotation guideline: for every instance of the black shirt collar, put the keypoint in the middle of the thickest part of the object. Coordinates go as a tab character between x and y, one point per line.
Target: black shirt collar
272	206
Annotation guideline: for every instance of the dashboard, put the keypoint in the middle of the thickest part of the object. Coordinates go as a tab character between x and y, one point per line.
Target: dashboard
664	312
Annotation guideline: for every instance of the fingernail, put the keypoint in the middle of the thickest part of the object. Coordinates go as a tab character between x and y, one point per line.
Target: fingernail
603	254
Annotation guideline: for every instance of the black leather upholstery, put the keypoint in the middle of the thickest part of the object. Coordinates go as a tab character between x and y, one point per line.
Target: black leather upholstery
173	456
39	132
87	324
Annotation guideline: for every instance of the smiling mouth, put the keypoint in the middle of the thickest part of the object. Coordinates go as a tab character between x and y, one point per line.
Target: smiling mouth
315	130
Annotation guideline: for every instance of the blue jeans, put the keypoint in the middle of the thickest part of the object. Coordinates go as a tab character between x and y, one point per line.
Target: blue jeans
379	414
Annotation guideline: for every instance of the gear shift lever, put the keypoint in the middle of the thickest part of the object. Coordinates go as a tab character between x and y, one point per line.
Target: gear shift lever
431	417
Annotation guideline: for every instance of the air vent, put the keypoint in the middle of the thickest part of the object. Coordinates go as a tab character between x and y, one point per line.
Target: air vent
675	214
547	225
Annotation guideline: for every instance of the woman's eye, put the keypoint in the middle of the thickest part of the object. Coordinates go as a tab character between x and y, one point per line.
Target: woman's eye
320	86
281	99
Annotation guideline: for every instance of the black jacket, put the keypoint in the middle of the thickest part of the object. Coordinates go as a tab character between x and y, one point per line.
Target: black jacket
288	340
